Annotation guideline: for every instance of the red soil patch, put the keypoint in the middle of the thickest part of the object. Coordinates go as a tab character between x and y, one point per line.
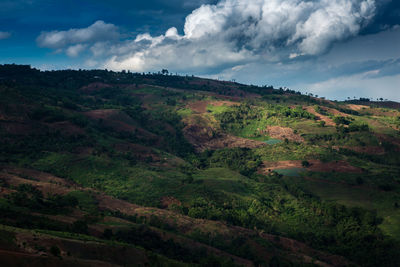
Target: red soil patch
316	166
333	166
102	113
120	122
112	118
224	103
372	150
33	174
326	119
203	133
168	201
357	107
6	191
45	187
110	203
283	133
203	138
201	106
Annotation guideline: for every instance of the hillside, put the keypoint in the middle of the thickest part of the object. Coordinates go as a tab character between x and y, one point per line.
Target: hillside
124	169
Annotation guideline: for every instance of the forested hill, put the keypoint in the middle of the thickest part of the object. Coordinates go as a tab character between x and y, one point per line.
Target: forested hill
117	168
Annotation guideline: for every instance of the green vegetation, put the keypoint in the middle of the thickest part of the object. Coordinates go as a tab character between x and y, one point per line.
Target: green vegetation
118	140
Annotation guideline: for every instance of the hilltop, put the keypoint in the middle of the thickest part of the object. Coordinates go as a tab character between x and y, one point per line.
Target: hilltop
116	168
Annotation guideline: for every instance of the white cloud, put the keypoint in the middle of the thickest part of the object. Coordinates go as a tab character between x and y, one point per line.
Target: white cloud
4	35
75	41
75	50
235	32
232	32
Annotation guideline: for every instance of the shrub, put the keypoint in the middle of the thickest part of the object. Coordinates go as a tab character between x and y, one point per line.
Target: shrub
305	164
55	251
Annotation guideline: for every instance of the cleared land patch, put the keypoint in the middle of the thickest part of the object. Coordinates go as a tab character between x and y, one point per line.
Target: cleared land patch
201	106
314	166
282	133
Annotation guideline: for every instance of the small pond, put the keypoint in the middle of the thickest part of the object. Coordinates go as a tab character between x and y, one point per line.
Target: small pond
290	172
273	141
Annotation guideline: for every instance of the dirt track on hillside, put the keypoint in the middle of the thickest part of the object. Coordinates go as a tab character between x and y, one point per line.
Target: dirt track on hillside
328	121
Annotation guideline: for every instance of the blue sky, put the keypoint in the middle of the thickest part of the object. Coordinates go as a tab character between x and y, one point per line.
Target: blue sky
332	48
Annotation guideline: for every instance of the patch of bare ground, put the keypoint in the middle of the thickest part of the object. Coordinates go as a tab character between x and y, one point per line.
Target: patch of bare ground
326	119
112	118
357	107
203	132
372	150
198	106
201	106
315	166
224	103
283	133
120	122
203	138
230	141
46	187
31	174
47	183
167	201
6	191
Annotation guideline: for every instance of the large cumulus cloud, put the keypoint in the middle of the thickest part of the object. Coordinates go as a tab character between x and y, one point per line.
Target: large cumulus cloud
230	33
234	31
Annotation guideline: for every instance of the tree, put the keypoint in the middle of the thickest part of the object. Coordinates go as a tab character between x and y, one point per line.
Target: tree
164	71
305	164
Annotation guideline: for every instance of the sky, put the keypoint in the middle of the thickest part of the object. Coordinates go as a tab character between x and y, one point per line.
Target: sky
331	48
